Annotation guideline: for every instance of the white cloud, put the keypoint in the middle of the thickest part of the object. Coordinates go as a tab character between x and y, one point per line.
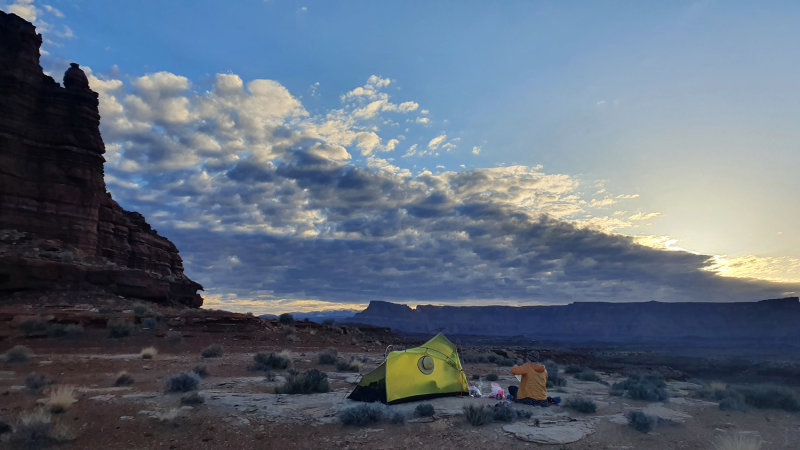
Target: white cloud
25	9
476	150
434	143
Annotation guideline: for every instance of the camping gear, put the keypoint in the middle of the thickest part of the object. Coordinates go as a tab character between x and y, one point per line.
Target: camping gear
497	391
431	370
474	391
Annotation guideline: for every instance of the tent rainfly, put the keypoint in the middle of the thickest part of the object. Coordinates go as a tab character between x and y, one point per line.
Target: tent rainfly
430	370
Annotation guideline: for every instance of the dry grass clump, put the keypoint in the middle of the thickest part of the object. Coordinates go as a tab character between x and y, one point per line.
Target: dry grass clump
61	399
123	379
192	398
119	328
174	337
352	366
581	404
640	421
328	357
650	387
737	441
149	352
362	415
477	415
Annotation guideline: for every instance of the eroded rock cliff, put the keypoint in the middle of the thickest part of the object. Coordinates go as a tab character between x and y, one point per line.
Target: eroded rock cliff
59	228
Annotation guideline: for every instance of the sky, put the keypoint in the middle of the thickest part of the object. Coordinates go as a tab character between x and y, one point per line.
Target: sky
318	155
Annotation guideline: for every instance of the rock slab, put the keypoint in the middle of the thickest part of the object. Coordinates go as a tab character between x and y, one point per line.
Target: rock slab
59	227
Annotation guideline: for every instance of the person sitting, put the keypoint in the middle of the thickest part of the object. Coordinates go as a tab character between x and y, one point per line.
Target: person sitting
533	385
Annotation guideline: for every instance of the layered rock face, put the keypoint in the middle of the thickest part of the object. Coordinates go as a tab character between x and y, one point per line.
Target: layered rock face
59	228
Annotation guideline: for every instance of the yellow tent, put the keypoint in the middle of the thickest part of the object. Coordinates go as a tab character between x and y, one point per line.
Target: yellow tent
430	370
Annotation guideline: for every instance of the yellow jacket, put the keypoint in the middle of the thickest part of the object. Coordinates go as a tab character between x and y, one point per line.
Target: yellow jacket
534	381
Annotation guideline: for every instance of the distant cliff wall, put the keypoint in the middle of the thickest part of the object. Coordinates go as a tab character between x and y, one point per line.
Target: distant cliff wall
59	228
777	320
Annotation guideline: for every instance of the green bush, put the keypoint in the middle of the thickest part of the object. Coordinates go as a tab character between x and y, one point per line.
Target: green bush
18	354
491	377
200	371
397	418
139	309
192	398
174	337
212	351
123	379
119	328
36	381
504	362
477	415
270	361
182	383
501	412
640	421
35	326
286	319
587	375
327	359
649	387
362	415
770	397
309	382
553	377
424	410
571	369
70	331
581	404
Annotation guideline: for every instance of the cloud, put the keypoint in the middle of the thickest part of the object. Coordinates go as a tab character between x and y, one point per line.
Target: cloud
436	142
269	203
25	9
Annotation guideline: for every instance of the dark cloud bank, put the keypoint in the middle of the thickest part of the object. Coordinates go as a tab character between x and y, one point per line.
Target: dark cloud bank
284	211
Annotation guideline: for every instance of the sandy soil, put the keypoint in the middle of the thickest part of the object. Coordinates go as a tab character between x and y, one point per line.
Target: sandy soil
241	409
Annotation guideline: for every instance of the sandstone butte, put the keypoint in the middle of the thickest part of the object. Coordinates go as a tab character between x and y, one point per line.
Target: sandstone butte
60	230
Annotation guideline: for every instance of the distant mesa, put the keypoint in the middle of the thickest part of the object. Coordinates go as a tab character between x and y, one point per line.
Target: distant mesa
775	321
59	228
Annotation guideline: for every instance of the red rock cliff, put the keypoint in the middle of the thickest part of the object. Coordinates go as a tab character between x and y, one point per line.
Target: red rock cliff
59	228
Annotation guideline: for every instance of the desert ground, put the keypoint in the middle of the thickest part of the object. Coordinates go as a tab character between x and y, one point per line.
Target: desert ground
241	409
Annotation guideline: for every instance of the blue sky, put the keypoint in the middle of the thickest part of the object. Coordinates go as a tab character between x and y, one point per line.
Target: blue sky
311	155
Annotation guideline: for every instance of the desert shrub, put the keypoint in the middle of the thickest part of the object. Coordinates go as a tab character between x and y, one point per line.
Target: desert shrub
182	383
640	421
397	418
491	377
286	319
523	414
174	337
61	399
270	361
149	352
18	354
349	366
309	382
501	412
770	397
648	387
475	376
35	326
119	328
587	375
58	330
553	377
36	430
4	427
473	358
572	369
732	401
192	398
477	415
327	358
212	351
36	381
139	309
362	415
200	371
581	404
424	410
737	441
149	323
504	362
123	379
